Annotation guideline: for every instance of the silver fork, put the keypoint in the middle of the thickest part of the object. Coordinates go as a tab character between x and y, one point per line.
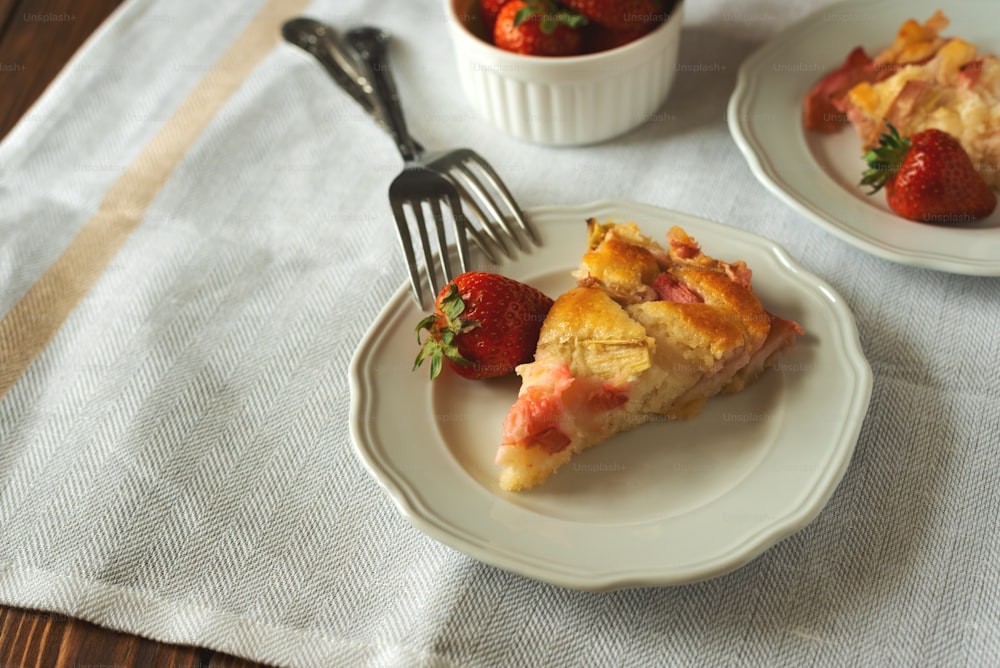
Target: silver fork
340	61
478	185
435	181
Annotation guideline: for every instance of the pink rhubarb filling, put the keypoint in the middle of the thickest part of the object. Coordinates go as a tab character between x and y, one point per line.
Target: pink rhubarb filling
554	403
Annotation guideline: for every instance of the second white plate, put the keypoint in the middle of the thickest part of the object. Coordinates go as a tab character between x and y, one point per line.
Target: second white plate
666	503
817	174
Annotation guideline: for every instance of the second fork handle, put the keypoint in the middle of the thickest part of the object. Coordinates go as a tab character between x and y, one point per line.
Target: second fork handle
371	45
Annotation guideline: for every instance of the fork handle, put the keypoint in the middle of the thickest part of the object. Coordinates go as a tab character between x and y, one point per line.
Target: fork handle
372	48
324	44
339	58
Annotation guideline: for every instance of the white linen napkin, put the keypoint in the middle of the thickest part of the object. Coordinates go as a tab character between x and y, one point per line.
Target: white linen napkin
175	459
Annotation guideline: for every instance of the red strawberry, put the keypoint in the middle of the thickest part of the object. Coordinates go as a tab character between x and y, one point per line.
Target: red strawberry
538	28
484	324
491	8
620	14
598	38
928	178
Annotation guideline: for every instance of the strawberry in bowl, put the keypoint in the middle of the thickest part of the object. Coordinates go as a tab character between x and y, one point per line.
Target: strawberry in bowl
568	27
537	28
566	74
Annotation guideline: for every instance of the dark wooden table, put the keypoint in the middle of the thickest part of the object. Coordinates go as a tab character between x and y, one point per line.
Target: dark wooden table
37	37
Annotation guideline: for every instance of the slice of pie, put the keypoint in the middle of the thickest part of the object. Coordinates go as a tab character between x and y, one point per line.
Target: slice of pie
923	80
648	331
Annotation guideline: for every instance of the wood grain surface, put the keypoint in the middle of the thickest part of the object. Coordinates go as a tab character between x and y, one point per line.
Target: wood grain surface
37	37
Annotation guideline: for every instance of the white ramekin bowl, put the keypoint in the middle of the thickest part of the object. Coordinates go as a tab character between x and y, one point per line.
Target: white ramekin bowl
564	101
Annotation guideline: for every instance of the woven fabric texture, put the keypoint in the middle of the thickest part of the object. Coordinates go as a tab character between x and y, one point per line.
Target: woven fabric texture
176	460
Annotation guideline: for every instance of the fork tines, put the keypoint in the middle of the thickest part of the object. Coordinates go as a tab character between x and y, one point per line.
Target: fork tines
415	213
488	197
449	184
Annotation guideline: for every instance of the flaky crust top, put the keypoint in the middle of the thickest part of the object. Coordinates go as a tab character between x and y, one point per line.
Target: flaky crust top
628	264
593	334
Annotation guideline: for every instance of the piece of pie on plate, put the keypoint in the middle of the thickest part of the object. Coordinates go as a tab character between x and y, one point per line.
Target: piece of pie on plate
922	81
648	331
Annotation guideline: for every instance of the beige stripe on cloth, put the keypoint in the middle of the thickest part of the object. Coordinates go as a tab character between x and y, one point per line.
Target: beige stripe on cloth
34	320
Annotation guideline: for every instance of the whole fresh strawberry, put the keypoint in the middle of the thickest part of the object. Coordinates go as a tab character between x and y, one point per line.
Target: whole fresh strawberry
491	9
620	14
928	177
483	324
538	28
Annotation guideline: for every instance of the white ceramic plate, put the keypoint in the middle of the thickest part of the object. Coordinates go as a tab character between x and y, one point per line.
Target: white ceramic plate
817	174
664	504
